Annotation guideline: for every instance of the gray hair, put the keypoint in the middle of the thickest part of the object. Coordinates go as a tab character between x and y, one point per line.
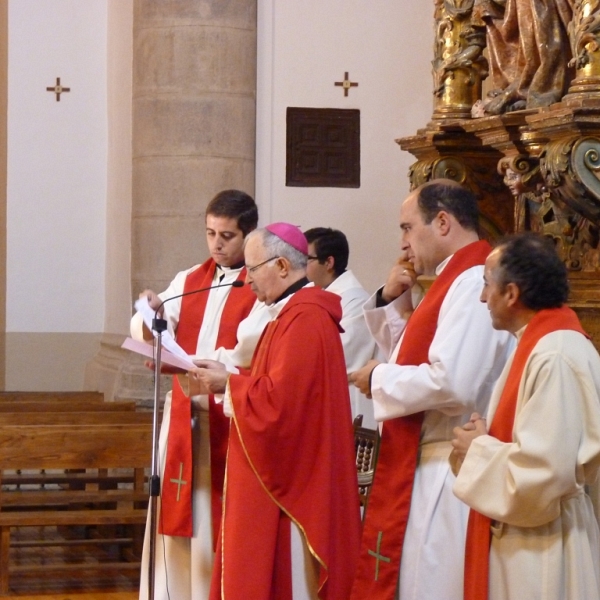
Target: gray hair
275	246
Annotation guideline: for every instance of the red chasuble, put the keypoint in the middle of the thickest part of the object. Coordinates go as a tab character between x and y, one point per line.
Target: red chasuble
291	456
477	551
176	492
390	497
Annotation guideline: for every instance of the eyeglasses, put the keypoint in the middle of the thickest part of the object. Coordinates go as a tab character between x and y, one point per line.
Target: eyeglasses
264	262
310	257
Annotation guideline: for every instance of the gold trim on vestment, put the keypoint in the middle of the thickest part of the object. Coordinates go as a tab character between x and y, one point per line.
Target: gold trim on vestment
227	390
310	548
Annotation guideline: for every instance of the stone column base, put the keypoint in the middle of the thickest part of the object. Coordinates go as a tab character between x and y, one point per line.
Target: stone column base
121	374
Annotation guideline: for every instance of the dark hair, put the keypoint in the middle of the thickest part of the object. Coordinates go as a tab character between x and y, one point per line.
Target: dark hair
530	261
329	242
453	198
234	204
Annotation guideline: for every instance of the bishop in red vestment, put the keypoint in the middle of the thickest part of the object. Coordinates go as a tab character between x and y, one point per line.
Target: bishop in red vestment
291	450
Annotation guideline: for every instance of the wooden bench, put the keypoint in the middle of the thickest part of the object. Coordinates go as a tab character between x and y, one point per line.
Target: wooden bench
126	417
53	396
67	408
14	406
43	479
93	448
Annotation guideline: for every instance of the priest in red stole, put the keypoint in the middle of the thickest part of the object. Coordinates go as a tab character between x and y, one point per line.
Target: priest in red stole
291	456
532	531
193	437
443	359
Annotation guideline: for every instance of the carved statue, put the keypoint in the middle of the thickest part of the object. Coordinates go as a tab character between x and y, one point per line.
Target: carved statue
522	177
529	52
536	209
458	65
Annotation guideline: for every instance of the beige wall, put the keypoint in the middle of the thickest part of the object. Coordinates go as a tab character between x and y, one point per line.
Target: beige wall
304	47
3	123
48	361
119	166
57	215
108	360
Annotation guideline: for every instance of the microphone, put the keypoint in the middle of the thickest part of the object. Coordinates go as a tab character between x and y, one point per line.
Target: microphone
160	325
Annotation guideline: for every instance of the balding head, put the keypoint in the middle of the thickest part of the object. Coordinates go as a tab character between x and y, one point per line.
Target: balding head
437	219
448	195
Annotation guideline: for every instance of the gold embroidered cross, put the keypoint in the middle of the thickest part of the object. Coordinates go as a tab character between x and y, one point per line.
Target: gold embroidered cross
378	556
179	481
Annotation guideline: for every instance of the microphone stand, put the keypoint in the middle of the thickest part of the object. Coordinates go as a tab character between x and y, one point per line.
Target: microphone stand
158	325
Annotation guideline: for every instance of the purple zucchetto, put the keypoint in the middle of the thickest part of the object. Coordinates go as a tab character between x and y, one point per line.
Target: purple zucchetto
290	234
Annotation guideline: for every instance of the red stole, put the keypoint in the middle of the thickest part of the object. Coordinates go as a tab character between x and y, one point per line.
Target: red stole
390	497
477	551
176	492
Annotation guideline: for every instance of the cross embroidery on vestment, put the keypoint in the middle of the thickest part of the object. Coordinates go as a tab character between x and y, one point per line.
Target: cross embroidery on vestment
179	481
378	556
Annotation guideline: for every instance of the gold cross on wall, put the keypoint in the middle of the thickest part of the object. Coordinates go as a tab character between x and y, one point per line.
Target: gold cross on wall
179	481
346	84
58	89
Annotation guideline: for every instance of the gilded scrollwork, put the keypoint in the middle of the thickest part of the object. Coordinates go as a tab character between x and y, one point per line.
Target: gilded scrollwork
419	173
584	32
570	211
571	169
539	208
458	65
447	167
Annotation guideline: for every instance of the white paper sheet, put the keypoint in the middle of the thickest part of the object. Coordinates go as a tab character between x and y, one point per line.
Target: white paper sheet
166	356
168	342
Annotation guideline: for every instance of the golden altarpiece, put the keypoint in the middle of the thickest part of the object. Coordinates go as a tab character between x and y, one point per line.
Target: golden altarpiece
530	147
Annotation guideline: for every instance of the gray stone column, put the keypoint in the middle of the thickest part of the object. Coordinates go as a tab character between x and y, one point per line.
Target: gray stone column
194	92
194	105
